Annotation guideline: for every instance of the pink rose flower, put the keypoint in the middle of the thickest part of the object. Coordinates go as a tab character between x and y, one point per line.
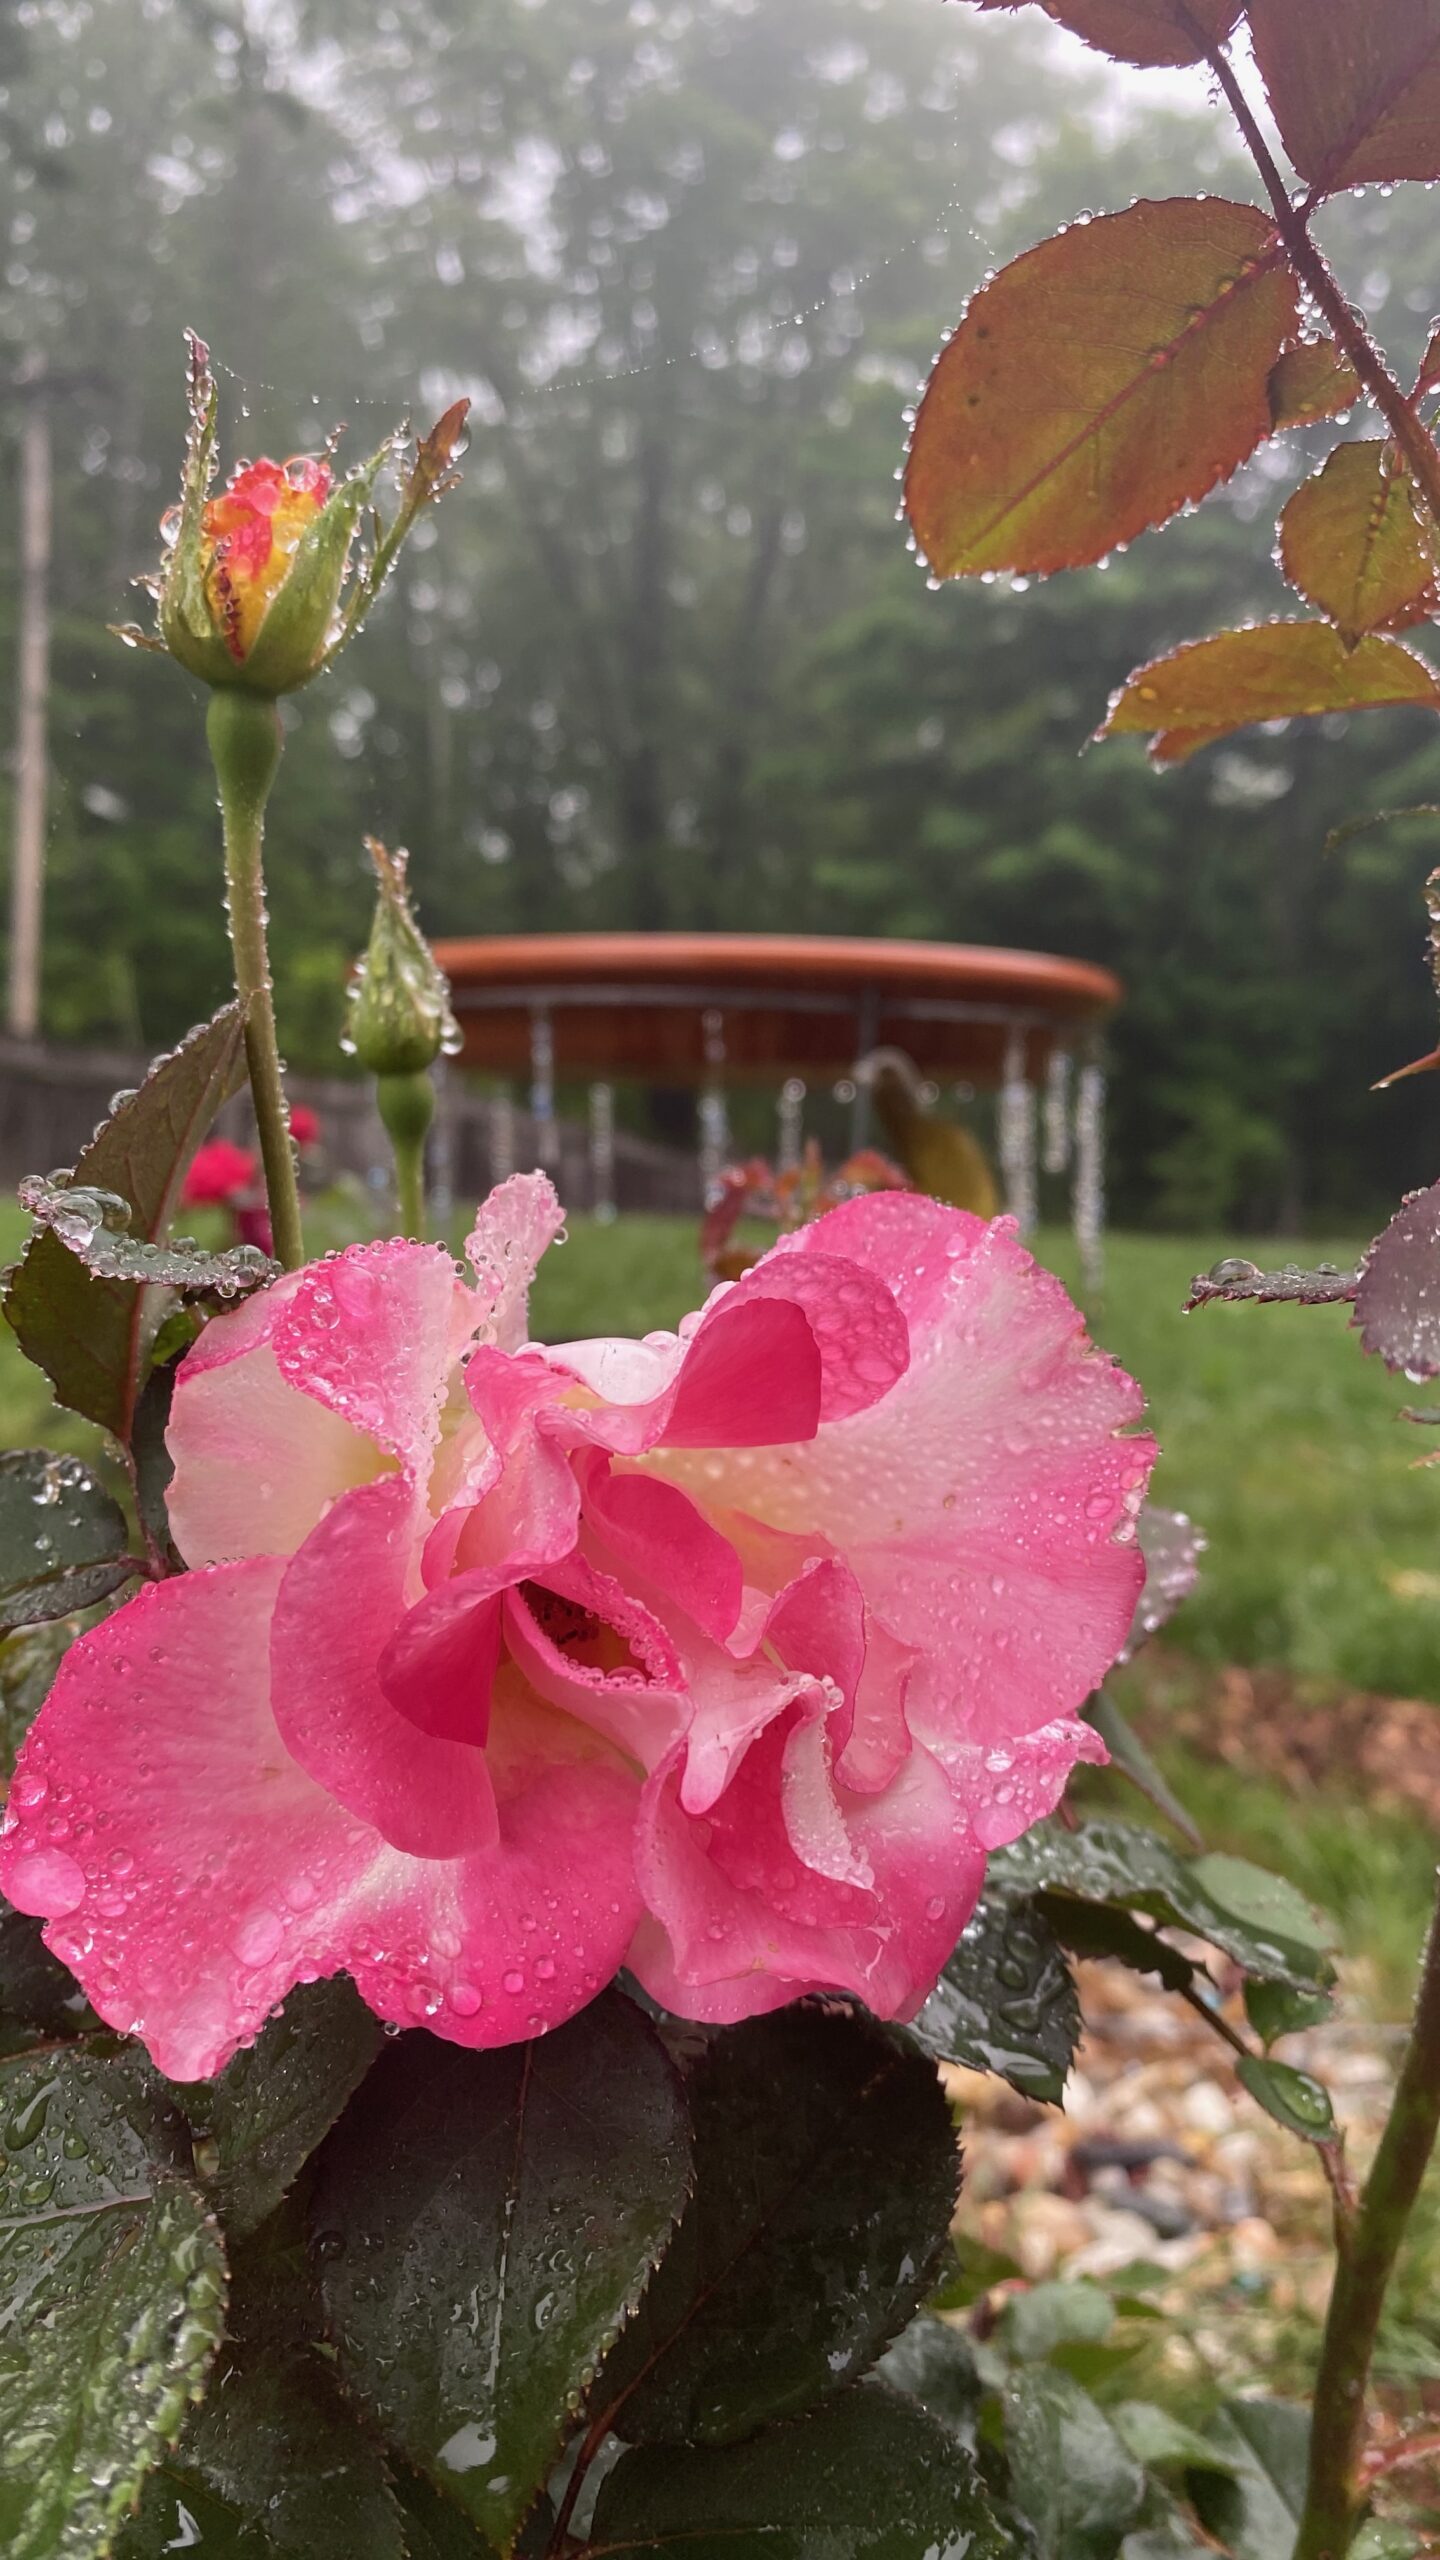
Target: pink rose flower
726	1654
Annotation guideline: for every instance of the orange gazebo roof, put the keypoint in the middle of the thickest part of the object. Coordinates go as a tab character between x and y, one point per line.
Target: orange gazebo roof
788	1004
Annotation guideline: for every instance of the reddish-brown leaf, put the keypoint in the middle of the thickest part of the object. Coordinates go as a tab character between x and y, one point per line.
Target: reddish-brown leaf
1354	543
1428	378
1273	671
1312	381
1354	86
1150	32
1397	1305
1097	384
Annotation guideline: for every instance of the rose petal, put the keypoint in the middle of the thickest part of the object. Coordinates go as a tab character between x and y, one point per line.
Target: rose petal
192	1873
654	1531
340	1602
978	1503
256	1464
375	1334
513	1231
737	1923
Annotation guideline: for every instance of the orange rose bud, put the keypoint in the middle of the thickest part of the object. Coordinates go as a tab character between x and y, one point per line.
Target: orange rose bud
252	534
260	589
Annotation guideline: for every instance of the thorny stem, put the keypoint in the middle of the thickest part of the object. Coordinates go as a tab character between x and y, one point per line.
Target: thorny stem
1292	221
1366	2250
245	743
595	2436
1368	2234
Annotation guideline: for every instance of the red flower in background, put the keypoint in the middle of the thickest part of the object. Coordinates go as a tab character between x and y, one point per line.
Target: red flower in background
219	1172
304	1125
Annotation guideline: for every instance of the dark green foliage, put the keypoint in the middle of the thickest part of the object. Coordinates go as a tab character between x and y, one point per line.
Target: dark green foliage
258	2122
870	2475
28	1664
1257	1918
36	1991
484	2223
1006	2000
63	1539
1274	2010
1254	2511
113	2281
935	2364
825	2179
273	2462
1070	2475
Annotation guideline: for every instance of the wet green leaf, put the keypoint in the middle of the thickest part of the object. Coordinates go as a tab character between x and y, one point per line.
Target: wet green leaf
149	1452
972	2270
63	1539
93	1337
870	2476
826	2174
258	2123
94	1226
28	1664
1257	1918
935	2364
1292	2097
113	2283
1161	2442
273	2460
1274	2010
485	2221
1066	2312
1256	2512
433	2528
1100	1929
36	1990
1069	2472
1006	2000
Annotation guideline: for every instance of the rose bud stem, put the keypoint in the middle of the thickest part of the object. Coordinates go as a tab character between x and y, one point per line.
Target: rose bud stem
407	1106
245	743
400	1023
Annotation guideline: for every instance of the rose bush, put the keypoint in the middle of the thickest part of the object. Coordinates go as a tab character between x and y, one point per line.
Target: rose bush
726	1654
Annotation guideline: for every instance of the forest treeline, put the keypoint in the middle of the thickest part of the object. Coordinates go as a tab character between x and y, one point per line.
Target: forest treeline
664	660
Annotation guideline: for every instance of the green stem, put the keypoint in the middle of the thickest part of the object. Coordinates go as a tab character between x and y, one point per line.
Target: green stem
1367	2248
407	1107
245	743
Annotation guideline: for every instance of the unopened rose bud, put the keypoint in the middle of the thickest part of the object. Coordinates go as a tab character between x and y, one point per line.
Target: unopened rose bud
400	1018
264	583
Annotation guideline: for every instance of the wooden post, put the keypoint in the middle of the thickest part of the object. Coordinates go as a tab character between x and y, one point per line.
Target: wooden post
27	876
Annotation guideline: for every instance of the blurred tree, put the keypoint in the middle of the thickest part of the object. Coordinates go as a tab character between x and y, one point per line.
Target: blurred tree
666	661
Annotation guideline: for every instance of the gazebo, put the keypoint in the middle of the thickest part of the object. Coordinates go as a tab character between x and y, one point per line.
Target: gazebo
796	1012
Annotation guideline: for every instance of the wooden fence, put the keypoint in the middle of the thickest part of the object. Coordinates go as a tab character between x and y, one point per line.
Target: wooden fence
51	1099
